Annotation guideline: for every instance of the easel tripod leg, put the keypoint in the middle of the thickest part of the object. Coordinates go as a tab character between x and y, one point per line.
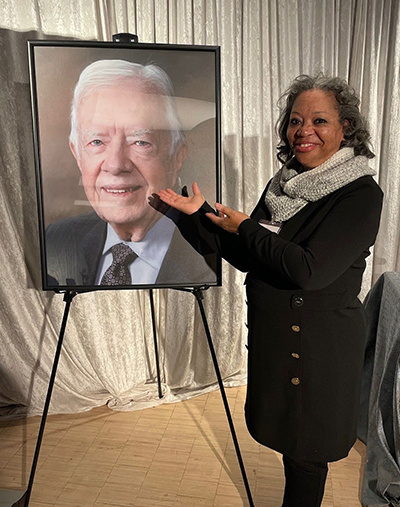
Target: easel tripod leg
24	500
153	320
199	297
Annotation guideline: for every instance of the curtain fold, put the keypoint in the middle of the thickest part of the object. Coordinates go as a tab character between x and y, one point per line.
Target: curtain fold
108	353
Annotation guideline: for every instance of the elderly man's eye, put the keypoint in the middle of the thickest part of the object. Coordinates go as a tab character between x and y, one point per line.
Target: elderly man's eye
96	142
142	143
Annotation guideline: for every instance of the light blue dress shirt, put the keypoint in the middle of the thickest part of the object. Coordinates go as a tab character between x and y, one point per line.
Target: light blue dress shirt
150	251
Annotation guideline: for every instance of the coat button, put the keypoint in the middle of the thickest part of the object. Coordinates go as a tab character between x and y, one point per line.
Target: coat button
296	329
295	355
295	381
298	301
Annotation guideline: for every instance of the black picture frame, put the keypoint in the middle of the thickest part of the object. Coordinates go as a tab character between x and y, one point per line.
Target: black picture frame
69	261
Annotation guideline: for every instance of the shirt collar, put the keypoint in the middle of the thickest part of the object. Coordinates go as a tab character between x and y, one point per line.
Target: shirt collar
152	248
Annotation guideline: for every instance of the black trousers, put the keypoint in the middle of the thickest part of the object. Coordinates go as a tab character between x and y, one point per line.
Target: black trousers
305	483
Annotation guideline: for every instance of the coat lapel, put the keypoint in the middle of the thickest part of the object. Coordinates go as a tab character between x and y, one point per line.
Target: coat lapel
182	264
92	248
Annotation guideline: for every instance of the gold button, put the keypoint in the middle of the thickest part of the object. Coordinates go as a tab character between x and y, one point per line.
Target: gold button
296	329
294	354
295	381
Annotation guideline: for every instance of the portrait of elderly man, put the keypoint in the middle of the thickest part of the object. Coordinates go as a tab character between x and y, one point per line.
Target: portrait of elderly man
128	144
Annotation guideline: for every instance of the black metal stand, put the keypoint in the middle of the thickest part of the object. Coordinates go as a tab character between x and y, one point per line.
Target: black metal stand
198	293
68	296
153	321
24	500
128	38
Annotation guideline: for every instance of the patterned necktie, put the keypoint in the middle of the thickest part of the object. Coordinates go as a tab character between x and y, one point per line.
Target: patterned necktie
118	273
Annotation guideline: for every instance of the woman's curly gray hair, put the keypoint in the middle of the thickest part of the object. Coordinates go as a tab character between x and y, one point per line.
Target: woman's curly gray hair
356	134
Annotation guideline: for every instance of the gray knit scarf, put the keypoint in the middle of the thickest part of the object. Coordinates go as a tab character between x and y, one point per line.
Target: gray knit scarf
290	190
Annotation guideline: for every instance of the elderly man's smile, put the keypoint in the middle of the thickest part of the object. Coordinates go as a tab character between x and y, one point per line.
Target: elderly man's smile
118	191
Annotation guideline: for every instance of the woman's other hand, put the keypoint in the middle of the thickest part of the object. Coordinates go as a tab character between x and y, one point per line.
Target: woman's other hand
228	219
187	205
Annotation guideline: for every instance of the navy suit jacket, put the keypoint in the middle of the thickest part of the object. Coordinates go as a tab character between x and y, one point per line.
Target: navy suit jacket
74	247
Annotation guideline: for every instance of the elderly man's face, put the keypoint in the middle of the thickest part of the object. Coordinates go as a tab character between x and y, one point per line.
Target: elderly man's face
124	155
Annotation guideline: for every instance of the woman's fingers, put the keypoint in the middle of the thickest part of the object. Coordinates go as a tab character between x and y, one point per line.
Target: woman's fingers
168	192
196	189
223	209
172	198
216	220
165	196
184	204
228	219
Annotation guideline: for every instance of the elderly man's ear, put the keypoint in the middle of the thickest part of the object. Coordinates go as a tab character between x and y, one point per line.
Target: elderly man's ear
180	156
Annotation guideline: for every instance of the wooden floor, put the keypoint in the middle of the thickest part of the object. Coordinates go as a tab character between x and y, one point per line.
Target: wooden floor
173	455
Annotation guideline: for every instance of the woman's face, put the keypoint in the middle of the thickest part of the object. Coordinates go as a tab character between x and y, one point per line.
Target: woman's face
314	131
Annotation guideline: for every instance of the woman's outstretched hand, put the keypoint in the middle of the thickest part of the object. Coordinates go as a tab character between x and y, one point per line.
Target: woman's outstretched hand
187	205
228	219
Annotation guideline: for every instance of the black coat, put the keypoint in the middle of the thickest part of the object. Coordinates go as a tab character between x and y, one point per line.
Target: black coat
306	325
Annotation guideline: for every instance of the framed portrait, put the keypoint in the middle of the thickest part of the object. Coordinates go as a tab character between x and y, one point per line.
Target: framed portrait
113	124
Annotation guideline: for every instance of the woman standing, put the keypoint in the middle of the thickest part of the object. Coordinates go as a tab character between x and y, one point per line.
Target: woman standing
304	248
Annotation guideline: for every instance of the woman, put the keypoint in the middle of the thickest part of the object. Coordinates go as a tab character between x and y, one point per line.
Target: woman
304	249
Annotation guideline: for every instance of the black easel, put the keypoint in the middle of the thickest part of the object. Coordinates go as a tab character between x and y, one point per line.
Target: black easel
153	321
198	293
24	500
68	296
128	38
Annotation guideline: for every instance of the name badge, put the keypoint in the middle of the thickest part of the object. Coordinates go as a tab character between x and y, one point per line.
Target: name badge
270	225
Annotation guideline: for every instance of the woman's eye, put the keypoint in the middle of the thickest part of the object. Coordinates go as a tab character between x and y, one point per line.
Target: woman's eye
294	121
320	120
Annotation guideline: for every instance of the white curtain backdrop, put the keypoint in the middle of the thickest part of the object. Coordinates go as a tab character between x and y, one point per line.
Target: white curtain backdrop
108	354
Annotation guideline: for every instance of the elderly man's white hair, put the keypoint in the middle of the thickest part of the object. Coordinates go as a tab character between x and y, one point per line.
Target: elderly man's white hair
109	72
